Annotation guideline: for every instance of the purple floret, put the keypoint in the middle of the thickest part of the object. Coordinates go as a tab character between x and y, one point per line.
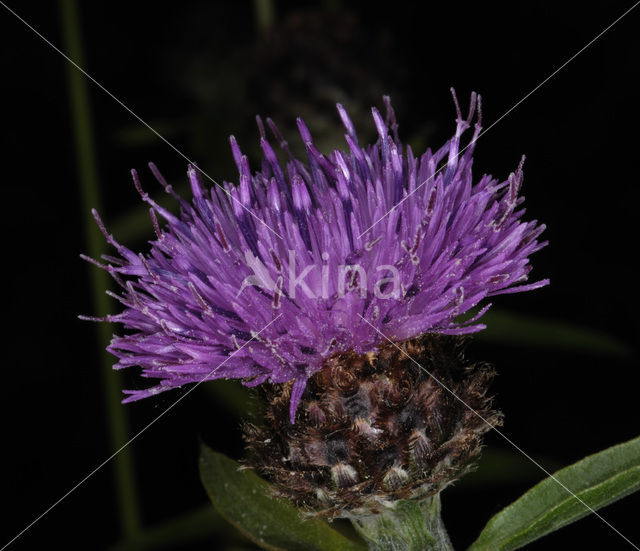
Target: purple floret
246	283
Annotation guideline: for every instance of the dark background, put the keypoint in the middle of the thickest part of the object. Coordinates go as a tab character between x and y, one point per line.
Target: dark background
198	71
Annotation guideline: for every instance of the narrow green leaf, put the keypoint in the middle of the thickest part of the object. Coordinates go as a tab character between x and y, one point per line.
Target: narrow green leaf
246	501
598	480
507	327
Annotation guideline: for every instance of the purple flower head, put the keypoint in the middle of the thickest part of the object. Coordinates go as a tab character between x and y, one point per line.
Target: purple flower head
265	280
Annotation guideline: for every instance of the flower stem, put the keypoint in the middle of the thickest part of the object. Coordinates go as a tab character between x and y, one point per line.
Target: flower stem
407	526
118	426
264	15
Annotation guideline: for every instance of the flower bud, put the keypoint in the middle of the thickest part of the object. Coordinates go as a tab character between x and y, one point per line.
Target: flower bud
402	422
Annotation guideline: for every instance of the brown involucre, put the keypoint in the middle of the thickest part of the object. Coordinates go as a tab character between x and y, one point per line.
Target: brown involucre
372	429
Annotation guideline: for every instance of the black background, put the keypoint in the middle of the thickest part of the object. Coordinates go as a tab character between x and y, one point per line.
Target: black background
579	131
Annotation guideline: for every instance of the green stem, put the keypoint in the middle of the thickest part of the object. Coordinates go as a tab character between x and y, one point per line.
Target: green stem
264	15
407	526
127	499
177	532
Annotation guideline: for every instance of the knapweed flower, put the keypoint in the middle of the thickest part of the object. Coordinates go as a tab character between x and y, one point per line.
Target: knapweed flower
309	269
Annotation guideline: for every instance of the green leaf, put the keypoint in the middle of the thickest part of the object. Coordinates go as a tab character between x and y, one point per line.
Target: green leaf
507	327
598	480
246	501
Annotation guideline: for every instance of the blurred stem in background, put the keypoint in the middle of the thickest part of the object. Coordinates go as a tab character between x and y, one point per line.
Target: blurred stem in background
81	122
195	525
264	15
